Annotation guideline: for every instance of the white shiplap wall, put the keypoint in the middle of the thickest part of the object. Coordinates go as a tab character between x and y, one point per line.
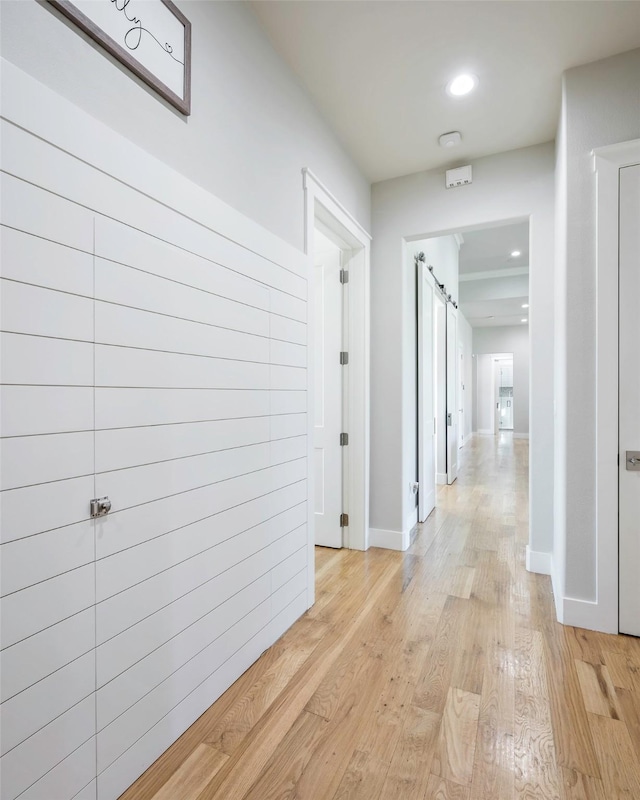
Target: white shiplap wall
156	355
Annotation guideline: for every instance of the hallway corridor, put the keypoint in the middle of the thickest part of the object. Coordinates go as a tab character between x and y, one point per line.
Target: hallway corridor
439	673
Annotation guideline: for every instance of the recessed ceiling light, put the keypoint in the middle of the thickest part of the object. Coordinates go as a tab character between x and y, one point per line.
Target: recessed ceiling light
462	84
525	305
515	253
524	320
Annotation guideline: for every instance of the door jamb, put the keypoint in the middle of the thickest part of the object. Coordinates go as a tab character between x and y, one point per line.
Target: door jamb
322	205
607	161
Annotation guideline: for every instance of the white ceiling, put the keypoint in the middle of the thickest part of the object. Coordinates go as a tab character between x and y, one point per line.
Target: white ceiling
493	285
490	249
378	70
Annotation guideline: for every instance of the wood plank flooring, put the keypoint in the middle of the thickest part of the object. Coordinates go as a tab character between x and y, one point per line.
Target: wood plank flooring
435	674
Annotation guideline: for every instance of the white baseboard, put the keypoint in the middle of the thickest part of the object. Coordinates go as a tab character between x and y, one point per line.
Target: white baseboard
411	523
520	435
485	431
587	614
538	562
557	592
390	540
441	478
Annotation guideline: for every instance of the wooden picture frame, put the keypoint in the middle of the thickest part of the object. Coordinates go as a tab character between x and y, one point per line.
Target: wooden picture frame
156	31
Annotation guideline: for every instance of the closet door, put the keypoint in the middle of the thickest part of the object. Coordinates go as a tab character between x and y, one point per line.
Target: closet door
47	660
629	475
203	486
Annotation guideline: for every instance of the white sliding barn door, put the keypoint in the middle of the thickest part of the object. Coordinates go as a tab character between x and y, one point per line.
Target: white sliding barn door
328	396
426	395
452	395
629	421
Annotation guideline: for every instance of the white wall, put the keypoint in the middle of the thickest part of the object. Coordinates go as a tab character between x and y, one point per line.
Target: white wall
443	254
252	127
600	106
512	185
514	340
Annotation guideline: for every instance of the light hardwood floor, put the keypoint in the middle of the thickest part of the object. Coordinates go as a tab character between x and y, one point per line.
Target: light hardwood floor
439	673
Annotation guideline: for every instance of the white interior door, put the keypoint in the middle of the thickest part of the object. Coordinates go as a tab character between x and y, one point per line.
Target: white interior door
328	394
629	420
452	395
426	414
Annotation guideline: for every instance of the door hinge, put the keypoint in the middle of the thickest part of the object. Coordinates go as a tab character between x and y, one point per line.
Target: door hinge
344	358
344	520
344	276
344	439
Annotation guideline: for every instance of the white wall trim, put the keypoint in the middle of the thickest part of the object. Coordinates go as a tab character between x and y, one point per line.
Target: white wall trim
390	540
587	614
441	478
321	204
493	273
520	435
309	177
485	431
538	562
558	599
602	614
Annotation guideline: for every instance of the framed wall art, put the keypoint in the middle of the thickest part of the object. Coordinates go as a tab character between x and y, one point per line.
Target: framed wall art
152	38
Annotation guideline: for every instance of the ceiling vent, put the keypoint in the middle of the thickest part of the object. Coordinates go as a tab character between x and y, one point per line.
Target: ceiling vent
458	177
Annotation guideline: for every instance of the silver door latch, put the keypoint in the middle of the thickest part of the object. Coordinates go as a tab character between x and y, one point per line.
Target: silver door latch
100	506
633	460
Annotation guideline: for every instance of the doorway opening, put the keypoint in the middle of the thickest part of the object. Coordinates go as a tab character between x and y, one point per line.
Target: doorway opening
338	251
472	338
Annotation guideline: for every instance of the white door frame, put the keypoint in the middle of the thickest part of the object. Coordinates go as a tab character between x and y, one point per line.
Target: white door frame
321	205
602	614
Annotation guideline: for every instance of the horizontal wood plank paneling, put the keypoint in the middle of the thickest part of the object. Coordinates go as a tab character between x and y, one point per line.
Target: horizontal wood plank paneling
31	410
73	773
43	361
30	209
28	460
29	711
33	559
130	447
39	656
40	262
29	511
125	245
129	327
31	760
44	604
160	361
142	523
131	287
138	485
128	366
132	407
51	313
129	687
